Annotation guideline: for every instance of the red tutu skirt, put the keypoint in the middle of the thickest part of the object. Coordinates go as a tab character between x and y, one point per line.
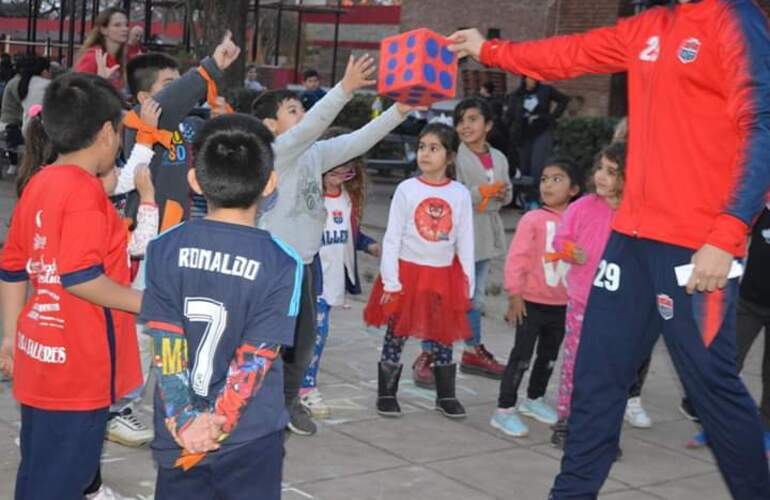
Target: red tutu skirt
433	304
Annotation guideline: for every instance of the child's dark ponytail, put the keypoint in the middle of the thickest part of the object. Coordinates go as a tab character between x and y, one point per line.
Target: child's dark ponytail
38	152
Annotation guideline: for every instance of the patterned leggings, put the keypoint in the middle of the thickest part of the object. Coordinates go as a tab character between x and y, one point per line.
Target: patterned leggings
393	346
573	331
323	310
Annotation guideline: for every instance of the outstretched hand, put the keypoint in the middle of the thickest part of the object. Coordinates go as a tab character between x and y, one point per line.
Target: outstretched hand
467	43
226	52
358	73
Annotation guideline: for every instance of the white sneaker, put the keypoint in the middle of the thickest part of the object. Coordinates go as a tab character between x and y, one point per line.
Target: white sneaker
126	429
313	402
635	414
106	493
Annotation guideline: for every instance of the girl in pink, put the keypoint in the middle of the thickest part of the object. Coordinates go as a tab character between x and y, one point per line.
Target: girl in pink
580	239
535	278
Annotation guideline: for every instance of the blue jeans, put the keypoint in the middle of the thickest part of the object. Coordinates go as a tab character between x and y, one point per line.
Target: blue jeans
474	315
323	311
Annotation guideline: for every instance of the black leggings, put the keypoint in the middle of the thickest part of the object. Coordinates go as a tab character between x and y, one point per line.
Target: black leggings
544	326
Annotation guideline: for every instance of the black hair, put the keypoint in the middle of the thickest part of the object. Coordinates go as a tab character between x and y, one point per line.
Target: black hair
33	67
473	103
489	87
38	152
309	73
448	138
75	108
233	160
569	168
142	71
267	104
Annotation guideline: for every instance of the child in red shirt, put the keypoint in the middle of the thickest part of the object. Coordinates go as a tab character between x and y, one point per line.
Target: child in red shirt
71	346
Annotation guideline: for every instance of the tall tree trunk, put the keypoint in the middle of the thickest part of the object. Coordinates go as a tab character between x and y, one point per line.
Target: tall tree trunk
217	17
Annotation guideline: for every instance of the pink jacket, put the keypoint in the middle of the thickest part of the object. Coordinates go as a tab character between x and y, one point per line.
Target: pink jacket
587	224
533	269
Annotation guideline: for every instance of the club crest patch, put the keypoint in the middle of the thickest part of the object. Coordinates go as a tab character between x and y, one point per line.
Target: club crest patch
688	51
665	306
338	217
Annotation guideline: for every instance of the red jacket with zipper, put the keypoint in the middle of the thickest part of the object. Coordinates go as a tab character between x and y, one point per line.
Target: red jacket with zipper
699	114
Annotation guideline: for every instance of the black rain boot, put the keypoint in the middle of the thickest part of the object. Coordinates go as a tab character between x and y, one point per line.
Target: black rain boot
388	375
446	402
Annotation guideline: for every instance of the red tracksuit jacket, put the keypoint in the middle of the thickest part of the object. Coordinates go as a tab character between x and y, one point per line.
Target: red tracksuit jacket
699	117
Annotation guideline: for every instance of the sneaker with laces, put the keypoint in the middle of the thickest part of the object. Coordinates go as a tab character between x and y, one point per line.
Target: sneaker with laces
479	361
300	422
126	429
635	414
106	493
507	421
314	403
539	410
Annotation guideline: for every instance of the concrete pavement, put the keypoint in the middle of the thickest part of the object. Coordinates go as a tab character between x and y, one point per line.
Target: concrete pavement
359	455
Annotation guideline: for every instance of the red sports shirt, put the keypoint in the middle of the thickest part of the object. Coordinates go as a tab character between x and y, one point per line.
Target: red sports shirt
699	117
70	354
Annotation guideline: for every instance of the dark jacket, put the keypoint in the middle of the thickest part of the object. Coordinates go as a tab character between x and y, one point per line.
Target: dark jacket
169	168
527	124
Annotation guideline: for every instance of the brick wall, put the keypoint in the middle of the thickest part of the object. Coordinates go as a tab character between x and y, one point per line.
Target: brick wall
516	19
574	16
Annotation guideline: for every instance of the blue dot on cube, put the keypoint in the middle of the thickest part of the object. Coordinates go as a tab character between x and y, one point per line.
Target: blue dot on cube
392	64
437	96
393	47
413	101
390	79
429	72
411	41
431	47
447	56
410	57
446	80
418	88
393	94
408	75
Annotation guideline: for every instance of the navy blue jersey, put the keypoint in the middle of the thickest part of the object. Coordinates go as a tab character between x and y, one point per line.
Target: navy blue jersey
223	285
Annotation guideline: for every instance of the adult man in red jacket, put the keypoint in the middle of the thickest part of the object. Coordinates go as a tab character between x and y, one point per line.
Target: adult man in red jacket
698	168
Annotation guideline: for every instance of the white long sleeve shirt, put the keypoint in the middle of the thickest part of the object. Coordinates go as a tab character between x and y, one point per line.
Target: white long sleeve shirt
428	225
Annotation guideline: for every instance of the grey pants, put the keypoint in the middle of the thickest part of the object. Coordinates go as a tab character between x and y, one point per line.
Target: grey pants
751	319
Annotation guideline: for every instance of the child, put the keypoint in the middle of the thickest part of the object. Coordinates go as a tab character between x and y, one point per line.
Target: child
484	171
71	347
313	91
221	299
535	280
162	140
344	201
581	238
156	76
427	271
298	214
